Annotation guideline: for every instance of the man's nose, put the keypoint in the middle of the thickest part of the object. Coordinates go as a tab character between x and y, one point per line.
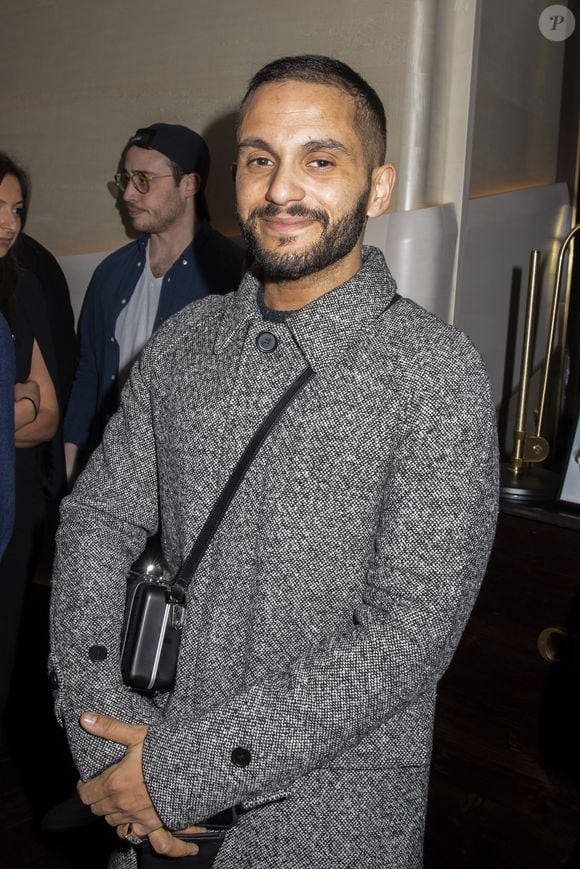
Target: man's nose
130	193
285	186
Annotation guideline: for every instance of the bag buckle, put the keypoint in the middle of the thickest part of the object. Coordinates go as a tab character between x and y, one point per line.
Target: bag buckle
177	616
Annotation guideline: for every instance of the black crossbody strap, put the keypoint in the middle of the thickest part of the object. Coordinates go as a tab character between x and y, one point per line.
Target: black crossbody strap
199	548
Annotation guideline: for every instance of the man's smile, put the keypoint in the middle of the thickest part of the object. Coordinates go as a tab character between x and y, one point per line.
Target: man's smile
288	225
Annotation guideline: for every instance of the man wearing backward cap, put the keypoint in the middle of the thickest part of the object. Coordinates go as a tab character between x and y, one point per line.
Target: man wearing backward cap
177	258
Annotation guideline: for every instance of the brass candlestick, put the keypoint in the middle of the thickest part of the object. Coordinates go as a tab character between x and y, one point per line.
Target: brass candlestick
527	448
519	481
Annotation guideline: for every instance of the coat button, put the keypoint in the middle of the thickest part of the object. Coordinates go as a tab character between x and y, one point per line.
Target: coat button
266	342
98	653
241	756
53	680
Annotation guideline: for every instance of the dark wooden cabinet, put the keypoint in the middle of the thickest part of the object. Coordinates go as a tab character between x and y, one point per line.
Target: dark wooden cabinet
505	781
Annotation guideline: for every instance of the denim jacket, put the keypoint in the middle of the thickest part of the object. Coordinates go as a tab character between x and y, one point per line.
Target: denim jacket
210	264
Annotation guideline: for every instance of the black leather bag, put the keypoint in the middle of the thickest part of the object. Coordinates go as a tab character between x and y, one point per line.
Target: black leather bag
152	633
209	844
155	608
204	859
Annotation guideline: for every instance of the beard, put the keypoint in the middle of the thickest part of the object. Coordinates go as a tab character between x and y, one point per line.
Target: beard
160	218
336	240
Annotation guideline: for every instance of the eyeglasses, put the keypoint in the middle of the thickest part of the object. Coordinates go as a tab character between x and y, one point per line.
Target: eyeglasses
141	181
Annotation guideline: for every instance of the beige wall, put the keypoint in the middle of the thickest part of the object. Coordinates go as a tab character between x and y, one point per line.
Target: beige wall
85	75
517	109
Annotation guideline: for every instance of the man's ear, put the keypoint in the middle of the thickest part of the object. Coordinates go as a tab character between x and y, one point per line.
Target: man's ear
382	183
191	183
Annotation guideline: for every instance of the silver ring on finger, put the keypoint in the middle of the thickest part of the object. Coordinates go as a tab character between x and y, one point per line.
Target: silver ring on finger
131	837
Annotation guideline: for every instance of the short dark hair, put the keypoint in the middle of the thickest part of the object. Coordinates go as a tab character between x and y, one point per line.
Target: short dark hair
200	202
370	118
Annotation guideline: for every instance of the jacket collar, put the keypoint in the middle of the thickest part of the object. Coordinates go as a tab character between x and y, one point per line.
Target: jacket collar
198	241
323	328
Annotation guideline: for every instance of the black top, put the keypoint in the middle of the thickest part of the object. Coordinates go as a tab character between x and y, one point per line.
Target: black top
37	259
32	322
270	314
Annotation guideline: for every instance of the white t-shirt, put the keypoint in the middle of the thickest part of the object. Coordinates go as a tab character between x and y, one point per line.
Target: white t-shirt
135	323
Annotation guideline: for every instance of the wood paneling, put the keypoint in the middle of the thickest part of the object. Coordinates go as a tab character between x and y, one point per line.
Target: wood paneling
505	784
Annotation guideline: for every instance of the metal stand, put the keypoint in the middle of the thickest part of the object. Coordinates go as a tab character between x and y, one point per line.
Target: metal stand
536	486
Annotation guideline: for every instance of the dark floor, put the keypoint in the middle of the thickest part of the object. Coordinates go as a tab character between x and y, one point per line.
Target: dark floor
25	846
35	768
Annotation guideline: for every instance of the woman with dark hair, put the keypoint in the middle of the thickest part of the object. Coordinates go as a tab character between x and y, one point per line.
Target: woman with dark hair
36	409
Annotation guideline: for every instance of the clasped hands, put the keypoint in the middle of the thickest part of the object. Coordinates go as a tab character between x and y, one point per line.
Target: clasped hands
120	795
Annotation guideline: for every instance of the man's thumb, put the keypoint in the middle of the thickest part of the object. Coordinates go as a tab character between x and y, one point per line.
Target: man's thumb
113	730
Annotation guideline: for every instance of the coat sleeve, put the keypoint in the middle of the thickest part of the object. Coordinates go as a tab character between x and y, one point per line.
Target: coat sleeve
433	541
82	403
104	526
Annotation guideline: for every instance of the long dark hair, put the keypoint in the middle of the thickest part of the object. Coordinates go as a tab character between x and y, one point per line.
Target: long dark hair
9	263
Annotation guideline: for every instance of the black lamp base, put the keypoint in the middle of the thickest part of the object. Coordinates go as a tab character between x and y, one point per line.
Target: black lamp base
533	486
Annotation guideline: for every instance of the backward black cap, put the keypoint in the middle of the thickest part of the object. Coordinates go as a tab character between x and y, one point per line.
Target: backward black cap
182	145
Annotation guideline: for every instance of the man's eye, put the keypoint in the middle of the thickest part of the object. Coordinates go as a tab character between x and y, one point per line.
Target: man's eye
18	211
141	177
260	161
321	163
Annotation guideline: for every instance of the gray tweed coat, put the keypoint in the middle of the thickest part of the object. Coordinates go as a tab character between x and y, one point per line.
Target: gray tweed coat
335	591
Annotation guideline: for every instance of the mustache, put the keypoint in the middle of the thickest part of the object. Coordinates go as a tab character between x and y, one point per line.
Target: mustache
296	210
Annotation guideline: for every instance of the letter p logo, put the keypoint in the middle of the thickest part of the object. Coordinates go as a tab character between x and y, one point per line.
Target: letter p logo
557	23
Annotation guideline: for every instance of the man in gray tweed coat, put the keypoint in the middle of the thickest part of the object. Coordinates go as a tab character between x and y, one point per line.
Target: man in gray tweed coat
335	591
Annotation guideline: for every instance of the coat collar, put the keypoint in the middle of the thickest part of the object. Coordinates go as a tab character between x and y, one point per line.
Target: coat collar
323	328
